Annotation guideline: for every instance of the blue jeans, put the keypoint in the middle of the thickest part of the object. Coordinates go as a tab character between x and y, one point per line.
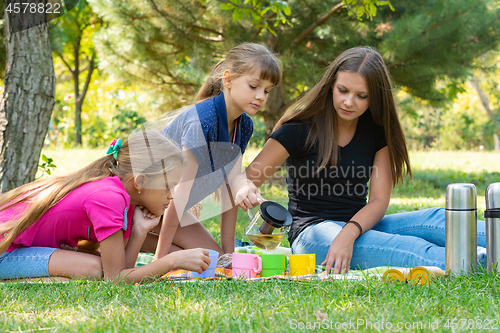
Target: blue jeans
399	240
25	262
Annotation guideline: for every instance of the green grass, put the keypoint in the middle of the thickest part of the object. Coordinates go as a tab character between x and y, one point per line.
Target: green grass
273	306
236	306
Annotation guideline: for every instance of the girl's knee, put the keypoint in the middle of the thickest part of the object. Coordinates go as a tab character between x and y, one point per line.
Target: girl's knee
93	269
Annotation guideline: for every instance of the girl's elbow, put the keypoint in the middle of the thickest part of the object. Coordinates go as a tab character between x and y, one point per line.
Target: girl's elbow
382	202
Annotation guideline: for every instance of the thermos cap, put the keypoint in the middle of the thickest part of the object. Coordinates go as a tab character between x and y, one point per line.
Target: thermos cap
492	196
461	196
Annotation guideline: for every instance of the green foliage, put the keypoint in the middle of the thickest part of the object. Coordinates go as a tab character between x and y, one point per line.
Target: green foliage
459	124
368	8
169	45
105	98
261	13
71	40
126	121
424	42
46	167
259	133
97	132
149	42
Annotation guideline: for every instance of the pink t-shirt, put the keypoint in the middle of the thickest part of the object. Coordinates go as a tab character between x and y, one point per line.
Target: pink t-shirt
93	211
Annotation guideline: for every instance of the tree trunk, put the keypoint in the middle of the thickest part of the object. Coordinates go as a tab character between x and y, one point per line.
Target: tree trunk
78	122
26	104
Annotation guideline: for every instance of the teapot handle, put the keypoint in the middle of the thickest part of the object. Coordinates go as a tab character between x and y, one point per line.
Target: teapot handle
249	211
250	214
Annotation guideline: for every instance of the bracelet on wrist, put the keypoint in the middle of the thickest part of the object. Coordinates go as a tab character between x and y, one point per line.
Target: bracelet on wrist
357	225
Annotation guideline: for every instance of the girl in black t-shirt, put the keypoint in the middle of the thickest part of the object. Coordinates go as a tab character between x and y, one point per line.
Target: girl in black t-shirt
340	134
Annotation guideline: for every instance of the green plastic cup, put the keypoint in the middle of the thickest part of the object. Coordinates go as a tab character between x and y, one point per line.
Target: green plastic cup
273	264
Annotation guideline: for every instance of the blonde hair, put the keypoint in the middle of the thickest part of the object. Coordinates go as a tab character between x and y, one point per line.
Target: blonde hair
240	60
317	106
145	152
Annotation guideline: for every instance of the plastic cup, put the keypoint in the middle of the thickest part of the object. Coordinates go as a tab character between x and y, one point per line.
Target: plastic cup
302	264
246	265
423	274
273	264
396	275
210	271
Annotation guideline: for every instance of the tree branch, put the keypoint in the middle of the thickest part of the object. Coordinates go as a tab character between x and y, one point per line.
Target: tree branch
316	24
484	99
169	17
236	5
267	18
153	74
64	61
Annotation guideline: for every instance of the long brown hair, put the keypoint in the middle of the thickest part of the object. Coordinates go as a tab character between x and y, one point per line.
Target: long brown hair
240	60
145	152
317	105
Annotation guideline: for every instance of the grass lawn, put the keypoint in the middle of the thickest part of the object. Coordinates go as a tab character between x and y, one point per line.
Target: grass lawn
464	303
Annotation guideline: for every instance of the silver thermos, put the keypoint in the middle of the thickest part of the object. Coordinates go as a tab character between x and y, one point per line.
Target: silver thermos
461	228
492	219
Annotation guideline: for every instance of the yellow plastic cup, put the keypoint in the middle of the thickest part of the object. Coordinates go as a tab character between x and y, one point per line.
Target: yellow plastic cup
302	264
423	274
396	275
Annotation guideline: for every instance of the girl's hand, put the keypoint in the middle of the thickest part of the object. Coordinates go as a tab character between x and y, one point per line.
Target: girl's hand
248	196
195	260
142	222
147	213
340	254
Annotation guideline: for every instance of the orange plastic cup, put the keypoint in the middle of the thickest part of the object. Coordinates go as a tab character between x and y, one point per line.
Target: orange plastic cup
423	274
396	275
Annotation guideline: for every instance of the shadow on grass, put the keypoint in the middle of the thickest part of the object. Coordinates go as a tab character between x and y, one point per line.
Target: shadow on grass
433	183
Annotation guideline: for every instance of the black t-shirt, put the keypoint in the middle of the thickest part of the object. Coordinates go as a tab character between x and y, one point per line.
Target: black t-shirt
334	193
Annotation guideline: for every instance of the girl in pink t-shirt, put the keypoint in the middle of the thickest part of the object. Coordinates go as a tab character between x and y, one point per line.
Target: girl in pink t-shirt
41	222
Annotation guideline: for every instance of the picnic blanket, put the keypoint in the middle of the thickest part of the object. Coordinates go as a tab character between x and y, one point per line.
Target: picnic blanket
180	275
386	273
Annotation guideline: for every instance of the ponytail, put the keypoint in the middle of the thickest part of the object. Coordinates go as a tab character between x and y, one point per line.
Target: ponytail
213	85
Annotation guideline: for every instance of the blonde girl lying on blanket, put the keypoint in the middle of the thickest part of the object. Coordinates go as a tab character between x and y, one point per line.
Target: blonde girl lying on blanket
42	221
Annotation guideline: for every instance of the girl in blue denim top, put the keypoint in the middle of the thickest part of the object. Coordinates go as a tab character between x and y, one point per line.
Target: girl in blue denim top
341	134
213	135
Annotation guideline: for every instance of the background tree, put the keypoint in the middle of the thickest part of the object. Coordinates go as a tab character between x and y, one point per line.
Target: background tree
71	39
172	44
169	45
485	83
3	53
27	99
